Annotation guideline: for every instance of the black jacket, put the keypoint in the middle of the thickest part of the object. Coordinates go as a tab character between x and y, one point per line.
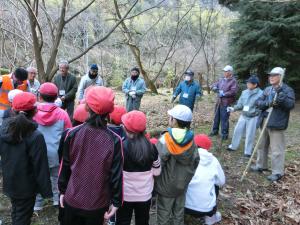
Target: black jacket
69	85
24	165
279	118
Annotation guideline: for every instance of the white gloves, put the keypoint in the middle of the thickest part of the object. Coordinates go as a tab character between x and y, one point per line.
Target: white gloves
230	109
132	94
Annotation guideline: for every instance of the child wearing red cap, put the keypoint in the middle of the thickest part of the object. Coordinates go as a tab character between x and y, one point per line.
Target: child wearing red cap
202	193
90	178
115	121
24	159
141	163
52	122
80	115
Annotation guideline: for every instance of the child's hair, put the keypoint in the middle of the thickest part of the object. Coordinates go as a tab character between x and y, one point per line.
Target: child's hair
96	120
183	124
76	123
48	98
140	150
21	125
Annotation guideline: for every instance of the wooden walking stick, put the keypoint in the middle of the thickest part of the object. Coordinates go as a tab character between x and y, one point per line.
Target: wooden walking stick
262	131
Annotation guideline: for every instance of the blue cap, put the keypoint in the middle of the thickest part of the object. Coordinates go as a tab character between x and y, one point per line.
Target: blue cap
189	72
253	79
94	67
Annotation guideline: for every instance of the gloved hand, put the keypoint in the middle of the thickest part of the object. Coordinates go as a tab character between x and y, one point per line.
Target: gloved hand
230	109
221	93
173	99
131	93
215	89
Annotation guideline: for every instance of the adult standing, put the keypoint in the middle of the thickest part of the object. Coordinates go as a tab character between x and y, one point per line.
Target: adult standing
33	84
189	90
90	79
134	88
273	138
67	86
226	88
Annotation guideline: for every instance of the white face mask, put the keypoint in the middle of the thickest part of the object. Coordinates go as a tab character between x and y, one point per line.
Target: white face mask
187	78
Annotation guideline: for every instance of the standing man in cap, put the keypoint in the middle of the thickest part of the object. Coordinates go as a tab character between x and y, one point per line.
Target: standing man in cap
226	88
134	88
33	83
189	90
90	79
273	137
67	87
248	119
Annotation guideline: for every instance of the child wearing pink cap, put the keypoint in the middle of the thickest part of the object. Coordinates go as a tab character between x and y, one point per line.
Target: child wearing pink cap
141	163
201	196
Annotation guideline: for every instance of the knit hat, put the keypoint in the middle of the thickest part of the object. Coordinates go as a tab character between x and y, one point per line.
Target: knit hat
203	141
134	121
117	114
181	112
80	113
100	100
48	89
24	101
94	67
12	94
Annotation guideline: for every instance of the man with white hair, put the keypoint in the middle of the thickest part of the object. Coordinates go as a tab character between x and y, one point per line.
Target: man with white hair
33	83
273	139
67	86
226	88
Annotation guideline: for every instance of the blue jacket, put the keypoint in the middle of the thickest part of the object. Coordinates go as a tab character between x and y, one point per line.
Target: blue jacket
139	86
188	93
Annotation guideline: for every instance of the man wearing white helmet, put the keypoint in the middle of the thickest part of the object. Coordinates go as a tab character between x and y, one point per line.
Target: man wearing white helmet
273	138
179	160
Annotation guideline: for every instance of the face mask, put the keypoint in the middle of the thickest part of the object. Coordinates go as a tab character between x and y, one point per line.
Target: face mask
187	78
134	78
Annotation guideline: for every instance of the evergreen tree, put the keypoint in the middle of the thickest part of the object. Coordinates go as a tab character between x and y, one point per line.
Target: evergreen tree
267	34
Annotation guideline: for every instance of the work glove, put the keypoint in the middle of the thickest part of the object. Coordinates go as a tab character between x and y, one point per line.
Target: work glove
230	109
131	93
221	93
215	89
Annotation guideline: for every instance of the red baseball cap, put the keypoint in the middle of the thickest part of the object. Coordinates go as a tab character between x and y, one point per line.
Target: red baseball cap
24	101
203	141
117	114
100	100
80	113
48	89
134	121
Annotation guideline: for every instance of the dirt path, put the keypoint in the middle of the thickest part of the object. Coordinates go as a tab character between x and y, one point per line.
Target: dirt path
255	201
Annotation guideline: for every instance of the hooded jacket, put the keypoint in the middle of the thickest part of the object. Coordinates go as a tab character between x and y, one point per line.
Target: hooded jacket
179	160
201	195
52	122
24	165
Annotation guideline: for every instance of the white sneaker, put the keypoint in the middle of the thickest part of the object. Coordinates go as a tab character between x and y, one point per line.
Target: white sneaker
217	217
55	203
37	208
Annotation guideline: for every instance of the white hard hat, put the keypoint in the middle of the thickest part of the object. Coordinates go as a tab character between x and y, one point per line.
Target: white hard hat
12	94
181	112
277	70
228	68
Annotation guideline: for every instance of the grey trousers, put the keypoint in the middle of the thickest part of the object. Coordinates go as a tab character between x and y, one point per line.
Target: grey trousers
133	103
273	141
170	211
39	201
247	124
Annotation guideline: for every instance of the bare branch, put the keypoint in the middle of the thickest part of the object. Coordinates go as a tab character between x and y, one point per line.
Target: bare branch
80	11
17	35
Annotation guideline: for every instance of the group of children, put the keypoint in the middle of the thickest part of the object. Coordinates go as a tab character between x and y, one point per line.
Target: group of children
104	167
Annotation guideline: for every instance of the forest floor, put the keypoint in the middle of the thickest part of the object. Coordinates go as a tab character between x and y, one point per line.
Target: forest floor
255	201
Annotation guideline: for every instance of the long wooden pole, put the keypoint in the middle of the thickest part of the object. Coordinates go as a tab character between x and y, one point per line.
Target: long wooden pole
261	133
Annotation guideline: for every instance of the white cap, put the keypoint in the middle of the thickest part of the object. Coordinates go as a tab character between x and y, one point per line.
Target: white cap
12	94
277	70
181	112
228	68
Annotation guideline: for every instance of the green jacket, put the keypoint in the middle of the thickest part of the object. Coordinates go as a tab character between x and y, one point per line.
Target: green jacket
69	85
179	160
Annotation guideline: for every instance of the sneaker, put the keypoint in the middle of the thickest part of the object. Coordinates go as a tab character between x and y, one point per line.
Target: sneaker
229	148
213	133
274	177
217	217
247	155
37	208
55	203
257	169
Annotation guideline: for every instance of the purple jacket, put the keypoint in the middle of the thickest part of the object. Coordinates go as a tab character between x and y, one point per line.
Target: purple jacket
229	87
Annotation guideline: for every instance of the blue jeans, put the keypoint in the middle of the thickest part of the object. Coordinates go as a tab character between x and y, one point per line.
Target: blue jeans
221	116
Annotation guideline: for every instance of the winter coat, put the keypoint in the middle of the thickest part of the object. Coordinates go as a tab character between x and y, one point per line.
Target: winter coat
188	93
52	122
246	102
201	194
24	165
85	82
179	160
69	85
279	118
230	88
138	86
91	170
